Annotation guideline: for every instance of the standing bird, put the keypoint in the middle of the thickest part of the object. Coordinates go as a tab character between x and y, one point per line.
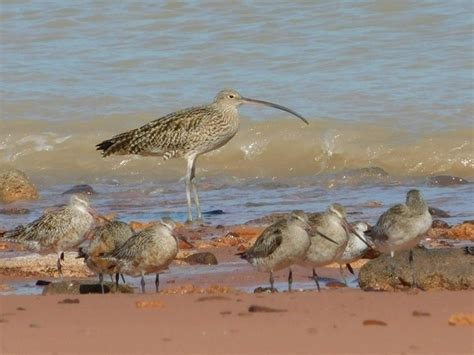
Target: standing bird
402	227
57	230
355	247
187	133
279	246
105	238
149	251
333	227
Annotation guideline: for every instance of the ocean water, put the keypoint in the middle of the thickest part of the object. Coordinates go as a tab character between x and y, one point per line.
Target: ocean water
383	83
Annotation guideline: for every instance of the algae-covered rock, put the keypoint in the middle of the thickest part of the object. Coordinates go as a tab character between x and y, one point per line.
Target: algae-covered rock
450	269
15	186
83	287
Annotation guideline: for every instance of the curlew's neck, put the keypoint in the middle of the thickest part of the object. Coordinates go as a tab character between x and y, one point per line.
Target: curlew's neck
417	205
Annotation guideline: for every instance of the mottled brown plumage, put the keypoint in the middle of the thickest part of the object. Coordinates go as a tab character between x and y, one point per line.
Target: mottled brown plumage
186	133
57	230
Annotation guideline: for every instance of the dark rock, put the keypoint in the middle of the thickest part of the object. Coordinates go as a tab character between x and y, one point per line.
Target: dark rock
436	212
15	186
446	180
449	269
80	189
264	290
264	309
76	287
204	258
14	211
213	212
373	171
371	254
42	283
470	221
437	223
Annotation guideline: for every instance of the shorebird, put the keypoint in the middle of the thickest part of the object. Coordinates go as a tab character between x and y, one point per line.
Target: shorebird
187	133
333	227
355	247
56	230
402	227
279	246
148	251
105	238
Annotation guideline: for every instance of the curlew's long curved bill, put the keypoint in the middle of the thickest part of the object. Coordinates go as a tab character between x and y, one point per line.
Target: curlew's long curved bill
280	107
326	237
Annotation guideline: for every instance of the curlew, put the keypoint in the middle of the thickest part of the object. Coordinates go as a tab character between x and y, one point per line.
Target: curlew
56	230
187	133
279	246
402	227
105	238
333	227
149	251
355	247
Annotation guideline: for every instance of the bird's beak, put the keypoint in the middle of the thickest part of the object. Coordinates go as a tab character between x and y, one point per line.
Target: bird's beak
350	229
271	104
326	237
97	216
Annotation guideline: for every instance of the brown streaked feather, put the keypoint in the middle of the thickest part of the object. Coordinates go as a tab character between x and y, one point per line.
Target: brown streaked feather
270	239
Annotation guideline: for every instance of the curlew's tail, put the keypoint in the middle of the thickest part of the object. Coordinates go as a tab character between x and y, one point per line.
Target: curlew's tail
15	235
124	143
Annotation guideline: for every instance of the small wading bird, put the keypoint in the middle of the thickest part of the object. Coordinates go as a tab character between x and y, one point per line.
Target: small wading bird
334	228
57	230
148	251
187	133
105	238
355	248
279	246
402	227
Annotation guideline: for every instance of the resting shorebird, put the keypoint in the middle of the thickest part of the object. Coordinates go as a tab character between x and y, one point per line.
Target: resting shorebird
402	227
105	239
148	251
355	247
187	133
333	227
57	230
279	246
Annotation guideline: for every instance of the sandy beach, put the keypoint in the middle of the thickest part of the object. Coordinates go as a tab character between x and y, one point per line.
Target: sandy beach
333	321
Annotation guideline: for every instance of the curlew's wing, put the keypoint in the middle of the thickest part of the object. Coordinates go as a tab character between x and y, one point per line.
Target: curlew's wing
388	219
167	136
268	241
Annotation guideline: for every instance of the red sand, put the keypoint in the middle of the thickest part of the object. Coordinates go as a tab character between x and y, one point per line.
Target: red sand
328	322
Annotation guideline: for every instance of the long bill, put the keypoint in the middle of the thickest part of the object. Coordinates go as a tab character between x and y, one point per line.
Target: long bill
280	107
350	229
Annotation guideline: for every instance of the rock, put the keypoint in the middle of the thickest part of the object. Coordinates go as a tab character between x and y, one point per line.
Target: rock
80	189
446	180
436	269
371	171
437	223
436	212
15	186
77	287
464	231
14	211
204	258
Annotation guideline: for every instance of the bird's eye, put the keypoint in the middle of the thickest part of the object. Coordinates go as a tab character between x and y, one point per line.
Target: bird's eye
231	96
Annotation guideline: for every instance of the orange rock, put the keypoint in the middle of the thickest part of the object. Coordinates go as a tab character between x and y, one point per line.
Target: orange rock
461	319
150	304
247	232
192	289
138	226
15	186
184	245
464	231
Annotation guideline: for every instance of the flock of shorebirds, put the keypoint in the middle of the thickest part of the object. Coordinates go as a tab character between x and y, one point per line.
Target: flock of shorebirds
321	239
115	249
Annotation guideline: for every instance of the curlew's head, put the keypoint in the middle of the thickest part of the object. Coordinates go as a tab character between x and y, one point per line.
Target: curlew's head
168	223
229	98
79	201
415	200
299	216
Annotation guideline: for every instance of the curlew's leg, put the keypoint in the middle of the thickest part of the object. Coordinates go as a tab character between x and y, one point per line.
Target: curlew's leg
101	280
157	282
195	193
123	278
341	271
189	173
111	277
58	264
117	280
315	278
412	267
290	279
143	282
272	289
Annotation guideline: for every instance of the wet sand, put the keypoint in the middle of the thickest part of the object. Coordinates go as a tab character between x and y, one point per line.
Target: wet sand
305	322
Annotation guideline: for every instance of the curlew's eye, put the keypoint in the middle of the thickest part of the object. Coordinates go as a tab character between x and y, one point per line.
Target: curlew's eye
231	96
